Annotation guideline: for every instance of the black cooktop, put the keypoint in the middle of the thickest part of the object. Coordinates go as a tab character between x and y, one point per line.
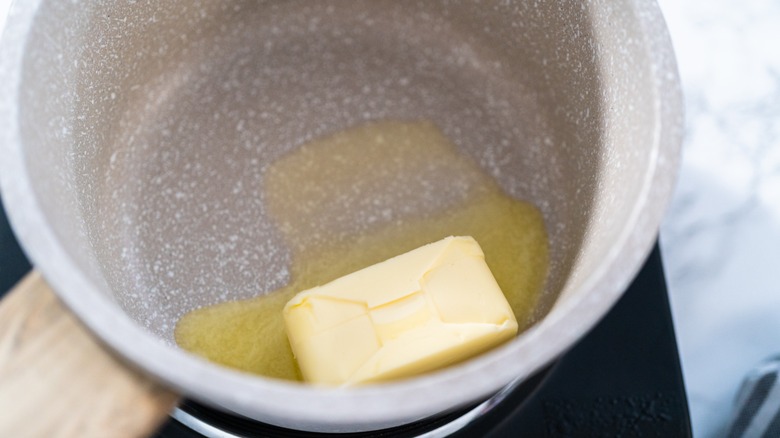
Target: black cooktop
622	380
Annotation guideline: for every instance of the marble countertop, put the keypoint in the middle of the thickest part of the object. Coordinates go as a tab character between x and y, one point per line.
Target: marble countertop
721	236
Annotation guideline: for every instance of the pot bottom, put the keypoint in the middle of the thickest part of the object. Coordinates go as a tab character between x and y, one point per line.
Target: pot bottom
622	379
191	416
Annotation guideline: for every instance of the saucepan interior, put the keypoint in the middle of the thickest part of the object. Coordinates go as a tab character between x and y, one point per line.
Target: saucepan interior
145	129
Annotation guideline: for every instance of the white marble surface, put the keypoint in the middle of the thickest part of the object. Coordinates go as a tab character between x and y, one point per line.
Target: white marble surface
4	5
721	237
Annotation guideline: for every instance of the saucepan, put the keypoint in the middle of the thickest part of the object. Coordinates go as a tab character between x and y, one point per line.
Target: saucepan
133	134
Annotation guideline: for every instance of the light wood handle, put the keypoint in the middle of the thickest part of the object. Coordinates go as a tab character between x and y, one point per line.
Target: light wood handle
57	380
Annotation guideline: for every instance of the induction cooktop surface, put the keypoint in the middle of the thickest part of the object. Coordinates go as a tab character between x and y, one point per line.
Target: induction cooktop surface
622	379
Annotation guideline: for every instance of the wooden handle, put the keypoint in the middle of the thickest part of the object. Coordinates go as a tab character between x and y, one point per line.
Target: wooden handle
56	380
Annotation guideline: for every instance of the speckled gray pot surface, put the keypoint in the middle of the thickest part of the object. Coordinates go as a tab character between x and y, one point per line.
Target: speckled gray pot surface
134	137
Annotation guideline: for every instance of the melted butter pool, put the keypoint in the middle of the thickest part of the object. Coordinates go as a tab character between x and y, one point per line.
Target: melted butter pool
359	197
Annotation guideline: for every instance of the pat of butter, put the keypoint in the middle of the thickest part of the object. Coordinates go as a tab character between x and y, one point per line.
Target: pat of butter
428	308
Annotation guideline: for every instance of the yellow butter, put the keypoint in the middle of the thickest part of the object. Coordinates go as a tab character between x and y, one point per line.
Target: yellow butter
428	308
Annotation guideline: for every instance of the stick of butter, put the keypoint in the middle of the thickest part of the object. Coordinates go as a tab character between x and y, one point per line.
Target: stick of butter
428	308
